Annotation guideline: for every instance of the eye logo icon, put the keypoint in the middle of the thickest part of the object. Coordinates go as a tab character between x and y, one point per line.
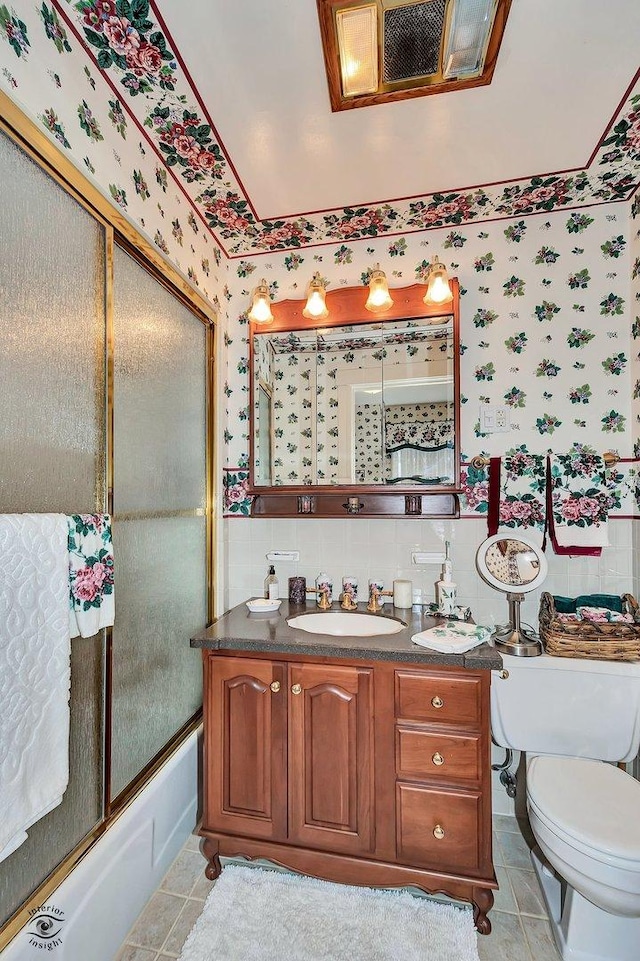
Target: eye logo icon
45	926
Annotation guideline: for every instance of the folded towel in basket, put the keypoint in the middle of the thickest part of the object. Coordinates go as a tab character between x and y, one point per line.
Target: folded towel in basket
453	637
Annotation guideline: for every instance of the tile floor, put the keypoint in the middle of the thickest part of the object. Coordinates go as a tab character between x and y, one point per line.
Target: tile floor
520	929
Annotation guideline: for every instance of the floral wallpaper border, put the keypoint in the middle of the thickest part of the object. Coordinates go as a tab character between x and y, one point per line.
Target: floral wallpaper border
622	487
129	43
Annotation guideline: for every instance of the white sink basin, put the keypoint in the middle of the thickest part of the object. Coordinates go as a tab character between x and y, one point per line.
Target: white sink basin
344	624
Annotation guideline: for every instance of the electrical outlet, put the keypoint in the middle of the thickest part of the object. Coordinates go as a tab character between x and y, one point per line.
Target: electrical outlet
494	419
503	420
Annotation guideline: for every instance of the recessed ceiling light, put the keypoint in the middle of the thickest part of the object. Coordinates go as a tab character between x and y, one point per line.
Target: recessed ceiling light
392	49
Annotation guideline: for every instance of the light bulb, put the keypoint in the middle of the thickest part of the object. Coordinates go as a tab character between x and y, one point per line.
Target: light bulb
315	304
260	311
379	298
315	307
438	289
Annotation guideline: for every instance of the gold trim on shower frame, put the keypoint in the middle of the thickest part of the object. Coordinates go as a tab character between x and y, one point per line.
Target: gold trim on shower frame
34	142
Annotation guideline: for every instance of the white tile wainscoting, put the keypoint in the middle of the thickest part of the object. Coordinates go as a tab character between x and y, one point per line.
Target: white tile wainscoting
382	548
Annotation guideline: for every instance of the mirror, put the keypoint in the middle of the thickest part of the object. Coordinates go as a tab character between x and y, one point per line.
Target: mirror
515	565
371	403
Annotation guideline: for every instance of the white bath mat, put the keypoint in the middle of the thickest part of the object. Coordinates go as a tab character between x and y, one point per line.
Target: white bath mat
257	915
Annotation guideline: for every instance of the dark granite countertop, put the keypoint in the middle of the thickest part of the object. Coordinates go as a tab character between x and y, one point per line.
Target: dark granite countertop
269	633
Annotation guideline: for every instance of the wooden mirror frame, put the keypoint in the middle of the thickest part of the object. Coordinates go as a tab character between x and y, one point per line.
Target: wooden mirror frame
346	306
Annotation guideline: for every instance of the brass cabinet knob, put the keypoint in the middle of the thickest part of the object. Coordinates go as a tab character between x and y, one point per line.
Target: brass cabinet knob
504	674
275	686
296	689
438	832
437	701
437	759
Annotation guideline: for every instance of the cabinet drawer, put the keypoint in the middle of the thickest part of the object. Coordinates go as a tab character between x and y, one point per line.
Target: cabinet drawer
429	754
438	829
438	698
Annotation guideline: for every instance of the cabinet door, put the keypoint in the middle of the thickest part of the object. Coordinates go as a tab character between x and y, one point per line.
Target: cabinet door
245	734
331	766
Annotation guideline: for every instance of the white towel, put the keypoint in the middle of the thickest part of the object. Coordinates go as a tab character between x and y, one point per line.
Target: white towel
35	671
453	637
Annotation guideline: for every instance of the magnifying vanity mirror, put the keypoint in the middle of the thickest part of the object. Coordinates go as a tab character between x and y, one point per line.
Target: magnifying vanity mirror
516	566
358	406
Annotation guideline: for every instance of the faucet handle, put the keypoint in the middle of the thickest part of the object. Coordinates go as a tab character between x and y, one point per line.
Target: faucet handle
374	606
323	599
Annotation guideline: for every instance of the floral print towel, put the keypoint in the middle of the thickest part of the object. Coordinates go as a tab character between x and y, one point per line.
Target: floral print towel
91	588
517	493
453	637
577	503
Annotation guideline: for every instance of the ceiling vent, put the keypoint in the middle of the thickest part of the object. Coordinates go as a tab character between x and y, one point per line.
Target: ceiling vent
392	49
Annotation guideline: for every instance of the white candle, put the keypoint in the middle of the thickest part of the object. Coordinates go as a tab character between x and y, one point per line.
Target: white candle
402	596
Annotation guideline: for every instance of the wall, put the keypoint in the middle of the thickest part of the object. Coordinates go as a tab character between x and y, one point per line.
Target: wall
634	244
545	305
545	330
47	73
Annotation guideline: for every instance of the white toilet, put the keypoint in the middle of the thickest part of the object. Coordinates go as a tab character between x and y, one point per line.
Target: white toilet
570	715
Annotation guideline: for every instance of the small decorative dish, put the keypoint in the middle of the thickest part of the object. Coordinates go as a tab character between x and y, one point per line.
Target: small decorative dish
262	605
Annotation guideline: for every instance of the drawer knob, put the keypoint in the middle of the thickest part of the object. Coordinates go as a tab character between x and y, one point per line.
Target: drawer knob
437	759
275	686
437	701
438	832
296	689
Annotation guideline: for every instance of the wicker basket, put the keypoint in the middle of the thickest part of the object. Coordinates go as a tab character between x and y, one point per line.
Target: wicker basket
613	641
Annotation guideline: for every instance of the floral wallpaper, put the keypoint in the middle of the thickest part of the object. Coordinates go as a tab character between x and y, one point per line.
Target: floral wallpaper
368	458
545	331
635	319
548	266
45	69
128	45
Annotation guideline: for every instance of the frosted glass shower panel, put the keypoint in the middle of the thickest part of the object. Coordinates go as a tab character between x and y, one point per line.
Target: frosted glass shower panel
162	602
52	330
52	449
160	391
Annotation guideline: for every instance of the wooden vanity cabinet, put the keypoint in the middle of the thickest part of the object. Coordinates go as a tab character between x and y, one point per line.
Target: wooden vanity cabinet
373	773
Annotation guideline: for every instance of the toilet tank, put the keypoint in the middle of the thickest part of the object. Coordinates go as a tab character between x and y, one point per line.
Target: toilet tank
567	706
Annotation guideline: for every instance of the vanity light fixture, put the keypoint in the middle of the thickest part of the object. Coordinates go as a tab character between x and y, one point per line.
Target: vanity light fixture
379	298
260	310
438	287
316	307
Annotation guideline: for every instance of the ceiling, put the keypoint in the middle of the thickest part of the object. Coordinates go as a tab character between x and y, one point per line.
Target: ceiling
281	171
562	69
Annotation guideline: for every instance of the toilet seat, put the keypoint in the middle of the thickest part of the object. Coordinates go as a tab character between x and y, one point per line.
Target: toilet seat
592	806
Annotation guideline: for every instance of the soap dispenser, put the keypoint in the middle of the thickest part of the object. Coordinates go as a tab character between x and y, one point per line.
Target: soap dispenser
271	591
446	589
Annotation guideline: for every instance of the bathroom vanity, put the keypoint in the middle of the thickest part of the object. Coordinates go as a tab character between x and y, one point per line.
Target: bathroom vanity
362	760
